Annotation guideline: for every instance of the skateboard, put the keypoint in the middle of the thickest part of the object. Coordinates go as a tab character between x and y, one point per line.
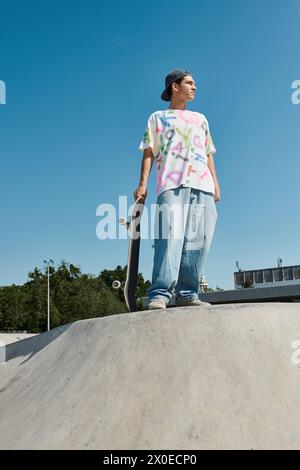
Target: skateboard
133	227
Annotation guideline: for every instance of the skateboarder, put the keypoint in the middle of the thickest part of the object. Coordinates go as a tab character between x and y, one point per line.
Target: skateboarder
180	143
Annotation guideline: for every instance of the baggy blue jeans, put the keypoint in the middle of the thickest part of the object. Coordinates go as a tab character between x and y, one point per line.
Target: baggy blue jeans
185	220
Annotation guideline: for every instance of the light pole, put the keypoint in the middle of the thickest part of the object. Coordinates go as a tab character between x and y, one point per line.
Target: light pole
50	261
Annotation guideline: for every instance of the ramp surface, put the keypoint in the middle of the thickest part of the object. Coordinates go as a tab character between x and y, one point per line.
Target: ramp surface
218	377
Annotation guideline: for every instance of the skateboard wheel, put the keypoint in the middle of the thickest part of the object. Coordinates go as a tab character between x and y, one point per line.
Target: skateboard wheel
122	221
116	285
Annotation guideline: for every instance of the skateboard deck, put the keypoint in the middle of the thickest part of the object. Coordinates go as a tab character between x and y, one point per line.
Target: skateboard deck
133	227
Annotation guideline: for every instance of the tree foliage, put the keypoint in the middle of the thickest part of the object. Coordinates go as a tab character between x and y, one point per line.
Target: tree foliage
73	296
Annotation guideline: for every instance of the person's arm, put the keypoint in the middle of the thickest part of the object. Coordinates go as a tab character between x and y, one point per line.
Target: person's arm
147	162
211	166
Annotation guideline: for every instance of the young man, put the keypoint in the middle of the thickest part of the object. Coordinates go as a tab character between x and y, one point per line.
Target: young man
180	142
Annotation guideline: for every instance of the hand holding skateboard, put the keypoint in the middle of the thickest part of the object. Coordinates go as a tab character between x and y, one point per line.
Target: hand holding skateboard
140	192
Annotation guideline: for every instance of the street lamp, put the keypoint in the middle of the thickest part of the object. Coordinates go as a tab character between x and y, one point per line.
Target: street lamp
50	261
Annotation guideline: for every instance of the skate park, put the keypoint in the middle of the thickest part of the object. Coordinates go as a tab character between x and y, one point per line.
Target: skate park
104	343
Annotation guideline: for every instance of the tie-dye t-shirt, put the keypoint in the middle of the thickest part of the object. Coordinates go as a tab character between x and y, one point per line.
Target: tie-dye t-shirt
180	142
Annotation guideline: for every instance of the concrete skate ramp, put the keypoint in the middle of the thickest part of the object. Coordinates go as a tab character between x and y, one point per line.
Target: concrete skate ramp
216	377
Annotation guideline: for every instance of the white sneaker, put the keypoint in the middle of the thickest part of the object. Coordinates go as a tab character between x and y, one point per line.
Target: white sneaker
157	302
181	302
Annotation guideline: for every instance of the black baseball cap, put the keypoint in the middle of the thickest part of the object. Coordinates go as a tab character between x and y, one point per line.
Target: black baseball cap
170	78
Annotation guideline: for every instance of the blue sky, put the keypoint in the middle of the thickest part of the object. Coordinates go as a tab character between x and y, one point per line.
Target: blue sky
82	77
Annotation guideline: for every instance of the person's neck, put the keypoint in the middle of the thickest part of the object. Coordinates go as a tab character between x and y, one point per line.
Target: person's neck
178	104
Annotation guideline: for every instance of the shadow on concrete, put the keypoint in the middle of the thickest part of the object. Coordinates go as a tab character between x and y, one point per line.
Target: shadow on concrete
33	345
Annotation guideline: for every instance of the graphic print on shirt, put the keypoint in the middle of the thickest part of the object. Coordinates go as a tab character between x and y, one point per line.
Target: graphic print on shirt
180	141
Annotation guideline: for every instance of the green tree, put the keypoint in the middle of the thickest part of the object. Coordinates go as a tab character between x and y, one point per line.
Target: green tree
73	296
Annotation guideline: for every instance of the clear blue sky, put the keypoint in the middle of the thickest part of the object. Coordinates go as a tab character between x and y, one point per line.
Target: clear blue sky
82	78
